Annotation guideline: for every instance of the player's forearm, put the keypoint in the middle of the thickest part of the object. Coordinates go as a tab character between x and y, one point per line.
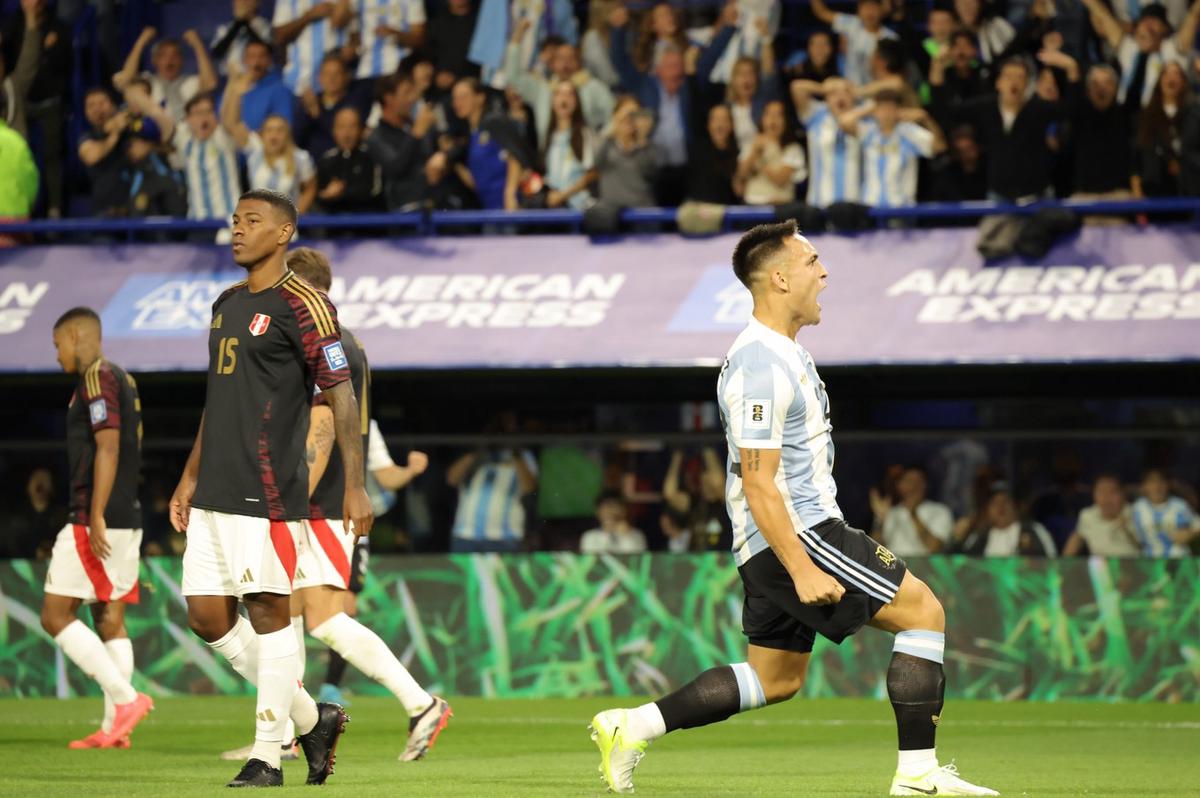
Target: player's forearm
771	515
318	446
349	435
104	474
393	477
191	469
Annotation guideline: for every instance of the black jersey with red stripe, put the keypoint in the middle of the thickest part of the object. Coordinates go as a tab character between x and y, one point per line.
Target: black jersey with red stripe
105	398
327	497
267	351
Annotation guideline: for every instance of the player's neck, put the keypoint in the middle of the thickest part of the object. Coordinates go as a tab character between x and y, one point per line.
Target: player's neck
265	273
87	357
783	324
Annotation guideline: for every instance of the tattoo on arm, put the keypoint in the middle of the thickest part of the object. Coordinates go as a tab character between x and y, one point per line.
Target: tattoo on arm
753	460
321	439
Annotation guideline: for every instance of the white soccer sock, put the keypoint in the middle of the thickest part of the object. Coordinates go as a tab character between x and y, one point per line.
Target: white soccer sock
289	732
278	668
84	648
917	763
240	646
363	649
645	722
120	650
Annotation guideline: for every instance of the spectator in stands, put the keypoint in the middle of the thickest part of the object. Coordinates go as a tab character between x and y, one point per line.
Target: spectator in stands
520	117
552	22
712	175
914	526
267	95
34	524
449	40
47	99
388	31
1144	53
666	92
1005	534
773	165
595	98
155	189
168	83
860	34
614	535
894	139
210	162
272	159
314	124
833	153
1167	155
401	142
1013	127
594	46
229	42
955	77
18	178
15	85
1164	525
101	148
941	26
492	485
661	30
993	33
309	29
748	94
818	60
694	517
961	174
569	157
494	154
627	161
1098	137
349	179
1105	529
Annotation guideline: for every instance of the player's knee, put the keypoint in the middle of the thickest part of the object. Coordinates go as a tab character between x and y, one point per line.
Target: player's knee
932	612
53	620
206	627
782	687
110	628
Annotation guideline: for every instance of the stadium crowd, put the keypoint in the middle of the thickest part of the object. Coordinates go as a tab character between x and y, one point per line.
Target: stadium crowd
355	106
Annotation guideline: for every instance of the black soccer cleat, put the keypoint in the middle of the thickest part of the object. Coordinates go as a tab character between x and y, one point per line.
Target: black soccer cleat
257	773
320	743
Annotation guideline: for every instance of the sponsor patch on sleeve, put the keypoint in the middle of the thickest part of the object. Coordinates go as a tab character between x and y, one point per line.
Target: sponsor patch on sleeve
335	356
98	411
758	414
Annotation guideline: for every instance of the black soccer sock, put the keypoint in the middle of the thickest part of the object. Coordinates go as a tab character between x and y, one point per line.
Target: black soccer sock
337	668
711	697
917	687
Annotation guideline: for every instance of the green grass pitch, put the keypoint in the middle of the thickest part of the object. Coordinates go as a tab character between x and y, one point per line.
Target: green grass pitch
526	748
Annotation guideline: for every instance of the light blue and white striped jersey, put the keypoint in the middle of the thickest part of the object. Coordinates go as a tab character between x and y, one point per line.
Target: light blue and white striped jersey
489	502
772	398
860	46
1154	524
275	177
305	53
210	171
833	158
890	162
380	55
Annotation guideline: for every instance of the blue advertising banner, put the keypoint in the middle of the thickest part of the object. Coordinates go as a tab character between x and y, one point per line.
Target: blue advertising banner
1109	294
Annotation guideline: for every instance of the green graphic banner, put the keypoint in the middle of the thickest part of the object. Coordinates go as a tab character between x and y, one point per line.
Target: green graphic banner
563	625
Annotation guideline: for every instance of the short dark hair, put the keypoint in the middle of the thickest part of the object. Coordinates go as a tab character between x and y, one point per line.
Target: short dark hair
758	246
280	202
259	43
964	33
312	266
891	53
99	90
200	97
889	96
335	56
76	313
1016	61
389	83
1109	476
472	83
553	40
610	496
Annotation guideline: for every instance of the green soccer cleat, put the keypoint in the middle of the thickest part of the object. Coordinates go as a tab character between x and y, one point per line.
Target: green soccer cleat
939	781
618	756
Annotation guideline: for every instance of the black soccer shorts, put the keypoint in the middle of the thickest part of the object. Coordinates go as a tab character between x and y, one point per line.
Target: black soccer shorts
772	615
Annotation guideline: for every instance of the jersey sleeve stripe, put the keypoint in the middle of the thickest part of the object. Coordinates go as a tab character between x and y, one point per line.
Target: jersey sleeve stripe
316	307
92	380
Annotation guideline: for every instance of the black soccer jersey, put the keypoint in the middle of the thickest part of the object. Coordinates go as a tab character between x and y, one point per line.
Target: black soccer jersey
105	398
331	490
267	350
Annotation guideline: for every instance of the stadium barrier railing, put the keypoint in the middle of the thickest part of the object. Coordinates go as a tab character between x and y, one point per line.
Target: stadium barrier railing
428	223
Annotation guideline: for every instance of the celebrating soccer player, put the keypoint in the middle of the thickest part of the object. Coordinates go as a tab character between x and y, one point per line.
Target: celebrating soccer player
804	570
92	561
244	490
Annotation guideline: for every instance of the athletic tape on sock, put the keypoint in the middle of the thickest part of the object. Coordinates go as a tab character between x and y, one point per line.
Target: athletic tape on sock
923	644
750	690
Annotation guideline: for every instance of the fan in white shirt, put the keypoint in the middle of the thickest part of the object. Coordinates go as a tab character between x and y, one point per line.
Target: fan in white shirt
614	535
916	526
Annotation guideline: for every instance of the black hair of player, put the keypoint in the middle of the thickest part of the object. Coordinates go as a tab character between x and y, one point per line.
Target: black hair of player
758	246
80	312
282	203
312	267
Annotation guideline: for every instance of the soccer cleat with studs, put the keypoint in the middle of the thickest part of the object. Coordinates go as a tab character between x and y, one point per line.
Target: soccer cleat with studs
257	773
320	744
618	756
943	780
423	730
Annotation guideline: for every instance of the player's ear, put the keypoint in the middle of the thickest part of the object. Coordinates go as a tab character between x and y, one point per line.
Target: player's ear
285	232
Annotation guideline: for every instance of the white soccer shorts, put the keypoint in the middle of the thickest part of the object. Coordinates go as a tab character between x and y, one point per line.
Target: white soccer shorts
76	572
324	554
236	555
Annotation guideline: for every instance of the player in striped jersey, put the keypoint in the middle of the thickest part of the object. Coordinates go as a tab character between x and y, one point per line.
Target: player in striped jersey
210	161
1164	525
894	140
309	29
95	557
804	570
834	155
389	30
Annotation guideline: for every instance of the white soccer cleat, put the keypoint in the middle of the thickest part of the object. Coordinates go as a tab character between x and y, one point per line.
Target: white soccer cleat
939	781
618	756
